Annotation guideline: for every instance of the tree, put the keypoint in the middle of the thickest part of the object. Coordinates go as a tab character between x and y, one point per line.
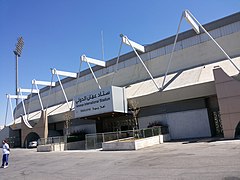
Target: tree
134	108
67	117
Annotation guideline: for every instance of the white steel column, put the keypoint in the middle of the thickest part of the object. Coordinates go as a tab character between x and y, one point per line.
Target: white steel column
66	74
141	48
97	62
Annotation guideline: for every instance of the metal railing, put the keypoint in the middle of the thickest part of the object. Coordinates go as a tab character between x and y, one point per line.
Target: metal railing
94	141
51	140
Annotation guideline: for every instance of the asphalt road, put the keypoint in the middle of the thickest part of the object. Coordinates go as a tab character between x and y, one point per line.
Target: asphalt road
175	160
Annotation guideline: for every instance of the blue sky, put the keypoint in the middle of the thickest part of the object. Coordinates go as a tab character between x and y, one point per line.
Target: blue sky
58	32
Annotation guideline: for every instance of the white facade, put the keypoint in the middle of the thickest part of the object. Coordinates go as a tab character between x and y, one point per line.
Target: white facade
190	76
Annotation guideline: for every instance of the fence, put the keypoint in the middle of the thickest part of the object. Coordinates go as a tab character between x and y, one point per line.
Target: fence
94	141
51	140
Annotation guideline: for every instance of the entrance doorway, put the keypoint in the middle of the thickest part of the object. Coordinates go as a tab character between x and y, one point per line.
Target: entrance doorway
115	123
31	137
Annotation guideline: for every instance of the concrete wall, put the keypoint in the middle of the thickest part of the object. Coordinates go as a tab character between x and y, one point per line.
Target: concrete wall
189	124
51	147
146	142
4	133
131	144
185	124
228	93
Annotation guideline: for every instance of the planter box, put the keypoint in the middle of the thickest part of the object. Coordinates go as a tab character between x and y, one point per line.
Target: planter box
50	147
134	144
44	148
78	145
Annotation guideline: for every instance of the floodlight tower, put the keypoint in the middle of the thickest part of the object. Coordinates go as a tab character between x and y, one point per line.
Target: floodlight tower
18	52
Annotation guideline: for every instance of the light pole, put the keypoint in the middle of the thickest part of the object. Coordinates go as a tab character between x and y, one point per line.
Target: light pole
18	52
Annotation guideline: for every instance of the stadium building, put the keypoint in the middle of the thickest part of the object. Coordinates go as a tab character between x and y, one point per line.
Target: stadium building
196	95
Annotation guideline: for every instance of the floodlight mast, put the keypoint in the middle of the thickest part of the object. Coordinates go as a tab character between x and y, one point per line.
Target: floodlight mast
18	52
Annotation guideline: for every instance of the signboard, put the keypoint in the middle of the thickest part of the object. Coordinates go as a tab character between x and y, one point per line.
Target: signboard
110	99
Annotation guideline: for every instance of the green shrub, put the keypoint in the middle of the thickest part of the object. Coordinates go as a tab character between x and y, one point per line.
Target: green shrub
77	136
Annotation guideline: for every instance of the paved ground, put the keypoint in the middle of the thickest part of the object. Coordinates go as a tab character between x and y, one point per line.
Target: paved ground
175	160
